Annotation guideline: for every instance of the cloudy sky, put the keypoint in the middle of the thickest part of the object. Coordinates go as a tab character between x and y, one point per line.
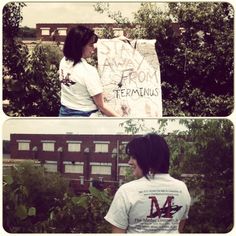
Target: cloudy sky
71	12
75	126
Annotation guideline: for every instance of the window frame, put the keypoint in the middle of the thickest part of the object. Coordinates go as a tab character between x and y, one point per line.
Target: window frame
23	142
69	170
42	31
99	144
71	142
96	165
48	142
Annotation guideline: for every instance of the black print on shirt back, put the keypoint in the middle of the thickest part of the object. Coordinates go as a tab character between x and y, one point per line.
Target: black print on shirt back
66	80
167	211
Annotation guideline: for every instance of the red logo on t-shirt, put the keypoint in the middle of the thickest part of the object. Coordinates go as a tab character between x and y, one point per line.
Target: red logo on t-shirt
66	79
167	211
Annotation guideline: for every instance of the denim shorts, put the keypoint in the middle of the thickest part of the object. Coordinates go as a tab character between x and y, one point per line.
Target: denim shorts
65	111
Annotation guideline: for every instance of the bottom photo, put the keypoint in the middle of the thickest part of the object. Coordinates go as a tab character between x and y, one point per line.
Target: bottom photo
117	175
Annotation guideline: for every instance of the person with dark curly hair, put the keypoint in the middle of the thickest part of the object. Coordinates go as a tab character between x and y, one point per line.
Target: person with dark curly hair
81	88
155	202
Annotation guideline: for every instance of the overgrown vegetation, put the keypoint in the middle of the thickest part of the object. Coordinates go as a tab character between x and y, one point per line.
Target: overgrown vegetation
39	202
27	33
30	79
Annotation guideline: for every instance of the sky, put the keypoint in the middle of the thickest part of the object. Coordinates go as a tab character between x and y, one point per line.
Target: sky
75	126
71	12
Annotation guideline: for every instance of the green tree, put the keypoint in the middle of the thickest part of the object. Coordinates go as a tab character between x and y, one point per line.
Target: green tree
11	20
150	19
207	42
107	33
15	54
30	79
27	33
208	152
35	91
198	61
42	97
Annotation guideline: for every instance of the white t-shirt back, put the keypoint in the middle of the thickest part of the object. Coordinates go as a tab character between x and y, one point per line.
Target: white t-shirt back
150	206
78	84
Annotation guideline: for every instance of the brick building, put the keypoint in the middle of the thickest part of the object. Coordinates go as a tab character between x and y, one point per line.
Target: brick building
58	31
81	158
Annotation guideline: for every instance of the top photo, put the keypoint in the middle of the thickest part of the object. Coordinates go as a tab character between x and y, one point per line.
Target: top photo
118	59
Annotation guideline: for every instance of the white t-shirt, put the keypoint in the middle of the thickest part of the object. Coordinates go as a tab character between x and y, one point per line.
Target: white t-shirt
78	84
150	206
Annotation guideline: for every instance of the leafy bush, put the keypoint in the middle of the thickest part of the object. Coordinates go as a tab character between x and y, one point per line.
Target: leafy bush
39	202
28	196
197	63
82	214
210	155
32	86
190	101
30	79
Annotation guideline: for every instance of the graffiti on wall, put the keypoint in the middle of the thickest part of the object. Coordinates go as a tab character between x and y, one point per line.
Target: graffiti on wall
132	86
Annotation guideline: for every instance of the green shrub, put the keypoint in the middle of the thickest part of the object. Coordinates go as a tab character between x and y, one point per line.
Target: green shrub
32	86
39	202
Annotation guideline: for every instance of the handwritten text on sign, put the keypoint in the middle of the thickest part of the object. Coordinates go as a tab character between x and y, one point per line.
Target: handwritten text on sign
131	85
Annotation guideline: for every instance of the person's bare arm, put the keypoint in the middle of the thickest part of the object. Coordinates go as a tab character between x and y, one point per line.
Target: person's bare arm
116	230
181	225
99	101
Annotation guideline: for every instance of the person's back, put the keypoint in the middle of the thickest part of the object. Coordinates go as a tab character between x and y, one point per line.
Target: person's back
155	202
156	205
78	84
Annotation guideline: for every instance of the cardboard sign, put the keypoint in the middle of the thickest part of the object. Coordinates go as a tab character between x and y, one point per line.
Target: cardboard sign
132	87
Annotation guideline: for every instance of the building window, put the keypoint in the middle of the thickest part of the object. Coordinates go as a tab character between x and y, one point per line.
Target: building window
50	166
48	145
62	31
45	31
74	146
76	167
123	168
23	145
101	146
100	168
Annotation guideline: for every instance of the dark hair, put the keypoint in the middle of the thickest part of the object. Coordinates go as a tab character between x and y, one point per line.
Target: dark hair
76	39
151	152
